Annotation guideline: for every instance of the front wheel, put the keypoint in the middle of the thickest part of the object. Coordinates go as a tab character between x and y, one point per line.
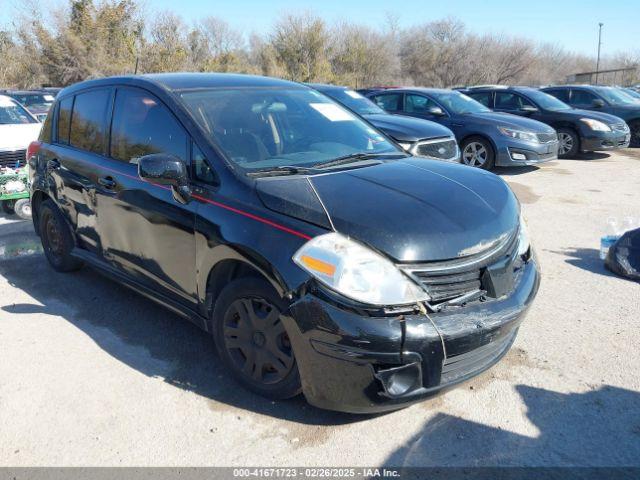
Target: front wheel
568	143
478	152
22	208
252	341
635	133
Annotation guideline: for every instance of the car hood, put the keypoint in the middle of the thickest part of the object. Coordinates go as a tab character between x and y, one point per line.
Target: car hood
511	121
412	210
18	136
407	129
600	116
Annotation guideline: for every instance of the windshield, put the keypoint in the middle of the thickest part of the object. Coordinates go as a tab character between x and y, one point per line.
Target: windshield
633	93
12	113
34	99
616	96
458	103
354	101
266	128
546	101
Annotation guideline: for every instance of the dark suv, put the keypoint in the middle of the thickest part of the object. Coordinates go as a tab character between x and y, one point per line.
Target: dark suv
578	130
420	137
319	255
602	99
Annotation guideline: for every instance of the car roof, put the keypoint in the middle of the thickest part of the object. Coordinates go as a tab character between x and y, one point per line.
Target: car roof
326	87
418	89
185	81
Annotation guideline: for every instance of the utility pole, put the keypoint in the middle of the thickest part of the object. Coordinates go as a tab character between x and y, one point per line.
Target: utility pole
599	44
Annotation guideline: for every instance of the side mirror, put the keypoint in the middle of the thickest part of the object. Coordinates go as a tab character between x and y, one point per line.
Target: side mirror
436	111
528	109
598	103
163	169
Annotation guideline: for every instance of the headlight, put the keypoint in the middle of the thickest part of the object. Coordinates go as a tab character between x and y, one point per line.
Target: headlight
406	146
596	125
523	237
357	272
519	134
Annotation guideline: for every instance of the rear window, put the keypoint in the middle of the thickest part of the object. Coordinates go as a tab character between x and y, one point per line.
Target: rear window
64	119
89	120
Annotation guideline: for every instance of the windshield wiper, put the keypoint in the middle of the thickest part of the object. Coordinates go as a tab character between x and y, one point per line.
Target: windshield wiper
281	170
355	157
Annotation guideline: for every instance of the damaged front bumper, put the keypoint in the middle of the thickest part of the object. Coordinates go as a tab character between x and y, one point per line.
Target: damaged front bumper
353	362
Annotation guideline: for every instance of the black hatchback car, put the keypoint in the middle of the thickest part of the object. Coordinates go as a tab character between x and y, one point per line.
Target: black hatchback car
320	256
602	99
578	130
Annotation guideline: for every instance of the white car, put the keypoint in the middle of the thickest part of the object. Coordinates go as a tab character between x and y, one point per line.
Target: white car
18	128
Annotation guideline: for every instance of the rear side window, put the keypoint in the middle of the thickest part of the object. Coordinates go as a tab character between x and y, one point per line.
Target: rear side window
483	97
64	119
562	95
511	101
390	102
142	125
45	133
89	120
418	104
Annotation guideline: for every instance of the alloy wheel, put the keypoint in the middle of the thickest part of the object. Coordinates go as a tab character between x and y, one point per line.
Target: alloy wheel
565	143
257	342
475	154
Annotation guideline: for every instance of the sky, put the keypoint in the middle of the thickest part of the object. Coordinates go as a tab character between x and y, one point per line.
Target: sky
570	23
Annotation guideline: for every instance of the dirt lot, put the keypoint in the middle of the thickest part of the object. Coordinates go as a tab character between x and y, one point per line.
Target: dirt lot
92	374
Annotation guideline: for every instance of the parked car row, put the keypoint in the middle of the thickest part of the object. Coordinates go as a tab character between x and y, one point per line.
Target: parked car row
38	102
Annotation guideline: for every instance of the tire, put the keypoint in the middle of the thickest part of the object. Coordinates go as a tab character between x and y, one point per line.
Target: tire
251	339
634	126
56	237
7	207
478	152
569	143
22	208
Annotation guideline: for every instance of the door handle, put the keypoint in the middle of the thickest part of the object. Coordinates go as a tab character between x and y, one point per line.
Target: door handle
107	182
53	164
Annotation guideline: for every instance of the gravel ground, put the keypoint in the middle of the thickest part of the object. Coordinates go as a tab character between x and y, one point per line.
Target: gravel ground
92	374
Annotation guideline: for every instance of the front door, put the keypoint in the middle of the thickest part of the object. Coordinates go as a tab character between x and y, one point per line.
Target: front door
144	231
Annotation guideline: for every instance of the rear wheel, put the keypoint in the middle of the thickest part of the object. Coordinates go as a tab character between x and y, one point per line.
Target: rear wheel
251	339
22	208
478	152
635	133
568	143
57	240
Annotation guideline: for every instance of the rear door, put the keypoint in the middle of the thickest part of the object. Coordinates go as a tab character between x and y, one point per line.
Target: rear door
78	146
144	231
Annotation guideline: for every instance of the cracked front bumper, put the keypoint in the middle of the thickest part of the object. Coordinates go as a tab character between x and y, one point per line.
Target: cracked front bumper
352	362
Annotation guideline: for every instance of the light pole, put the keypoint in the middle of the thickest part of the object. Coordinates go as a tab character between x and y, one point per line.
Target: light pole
599	44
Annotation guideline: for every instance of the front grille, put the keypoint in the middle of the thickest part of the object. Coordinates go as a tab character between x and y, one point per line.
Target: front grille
13	159
446	280
442	149
547	137
620	127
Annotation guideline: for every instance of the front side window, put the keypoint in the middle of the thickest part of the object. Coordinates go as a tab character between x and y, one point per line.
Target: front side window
391	102
511	101
582	97
264	128
12	113
64	119
142	125
201	169
458	103
89	120
417	104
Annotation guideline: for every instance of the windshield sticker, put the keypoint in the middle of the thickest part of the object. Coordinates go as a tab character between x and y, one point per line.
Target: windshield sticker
49	98
353	94
332	112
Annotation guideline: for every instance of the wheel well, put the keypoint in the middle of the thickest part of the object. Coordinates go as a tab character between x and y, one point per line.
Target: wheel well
221	275
36	200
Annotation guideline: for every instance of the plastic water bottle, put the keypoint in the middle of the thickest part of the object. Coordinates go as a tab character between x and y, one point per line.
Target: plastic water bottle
613	232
